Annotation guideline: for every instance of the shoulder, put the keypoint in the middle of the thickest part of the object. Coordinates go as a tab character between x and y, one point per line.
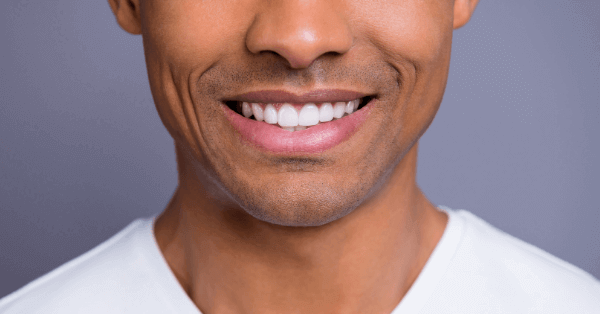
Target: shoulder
505	272
98	281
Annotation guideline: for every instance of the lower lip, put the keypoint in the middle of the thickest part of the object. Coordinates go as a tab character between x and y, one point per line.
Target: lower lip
313	140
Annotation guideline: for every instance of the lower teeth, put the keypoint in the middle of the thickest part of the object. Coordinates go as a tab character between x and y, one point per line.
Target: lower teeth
299	127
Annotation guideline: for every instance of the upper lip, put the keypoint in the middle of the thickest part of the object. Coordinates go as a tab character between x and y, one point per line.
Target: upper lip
314	96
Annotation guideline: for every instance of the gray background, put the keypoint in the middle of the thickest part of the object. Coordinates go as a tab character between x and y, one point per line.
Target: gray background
83	152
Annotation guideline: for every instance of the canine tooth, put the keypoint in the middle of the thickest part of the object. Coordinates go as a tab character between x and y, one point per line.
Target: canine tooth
350	107
270	114
289	128
339	109
356	103
326	112
309	115
246	109
257	111
287	116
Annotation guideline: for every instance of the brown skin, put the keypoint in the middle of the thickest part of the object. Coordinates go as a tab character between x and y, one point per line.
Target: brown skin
344	231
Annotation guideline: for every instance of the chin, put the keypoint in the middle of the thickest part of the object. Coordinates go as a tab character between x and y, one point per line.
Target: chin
301	206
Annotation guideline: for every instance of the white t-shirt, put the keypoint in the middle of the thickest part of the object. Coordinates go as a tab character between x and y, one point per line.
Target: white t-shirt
475	268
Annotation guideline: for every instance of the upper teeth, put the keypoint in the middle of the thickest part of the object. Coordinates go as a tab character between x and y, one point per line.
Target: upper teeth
289	118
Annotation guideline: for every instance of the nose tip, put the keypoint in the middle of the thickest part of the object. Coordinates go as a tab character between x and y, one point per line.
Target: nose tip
298	34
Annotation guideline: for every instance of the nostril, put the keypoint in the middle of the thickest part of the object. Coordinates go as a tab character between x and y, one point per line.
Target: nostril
296	57
299	32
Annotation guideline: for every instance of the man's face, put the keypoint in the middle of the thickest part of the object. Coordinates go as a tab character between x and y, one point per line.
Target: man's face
206	57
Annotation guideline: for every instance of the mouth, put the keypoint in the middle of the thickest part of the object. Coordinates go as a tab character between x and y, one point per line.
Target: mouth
297	116
282	123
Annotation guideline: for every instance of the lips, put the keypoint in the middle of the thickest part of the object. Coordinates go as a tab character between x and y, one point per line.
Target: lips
268	119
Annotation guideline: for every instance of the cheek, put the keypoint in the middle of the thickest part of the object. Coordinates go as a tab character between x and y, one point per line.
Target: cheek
175	36
415	31
192	34
414	37
182	41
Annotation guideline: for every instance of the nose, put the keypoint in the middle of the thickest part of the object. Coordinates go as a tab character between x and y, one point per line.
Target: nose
300	31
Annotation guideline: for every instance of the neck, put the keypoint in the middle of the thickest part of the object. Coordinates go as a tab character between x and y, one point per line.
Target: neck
365	262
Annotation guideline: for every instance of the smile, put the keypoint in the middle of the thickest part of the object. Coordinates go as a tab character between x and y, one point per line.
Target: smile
297	117
282	123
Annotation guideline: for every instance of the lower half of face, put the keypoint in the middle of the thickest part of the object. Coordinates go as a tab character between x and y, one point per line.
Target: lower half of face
298	110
